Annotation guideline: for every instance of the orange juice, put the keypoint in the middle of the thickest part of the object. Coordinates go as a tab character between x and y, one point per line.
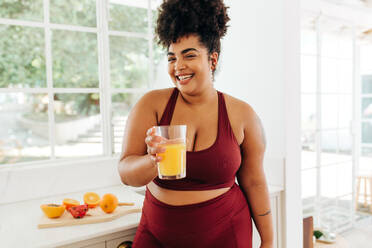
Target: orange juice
173	163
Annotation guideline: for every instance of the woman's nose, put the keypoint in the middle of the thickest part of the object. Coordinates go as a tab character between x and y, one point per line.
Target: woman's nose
179	65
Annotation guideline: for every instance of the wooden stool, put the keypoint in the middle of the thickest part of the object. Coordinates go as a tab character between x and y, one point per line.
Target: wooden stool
367	180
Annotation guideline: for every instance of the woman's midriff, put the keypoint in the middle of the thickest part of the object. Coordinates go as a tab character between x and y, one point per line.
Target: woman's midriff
179	198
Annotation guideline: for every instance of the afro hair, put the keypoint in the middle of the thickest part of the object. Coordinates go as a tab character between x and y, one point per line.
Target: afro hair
205	18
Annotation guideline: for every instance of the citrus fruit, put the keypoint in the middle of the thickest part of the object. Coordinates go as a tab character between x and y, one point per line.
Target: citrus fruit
108	203
70	203
53	210
92	199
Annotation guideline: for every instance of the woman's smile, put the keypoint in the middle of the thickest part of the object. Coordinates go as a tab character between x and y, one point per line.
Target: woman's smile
184	78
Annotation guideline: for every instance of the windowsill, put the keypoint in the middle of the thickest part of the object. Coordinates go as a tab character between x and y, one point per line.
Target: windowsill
43	179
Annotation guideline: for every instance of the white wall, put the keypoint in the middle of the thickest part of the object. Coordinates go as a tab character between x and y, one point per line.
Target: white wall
260	65
251	64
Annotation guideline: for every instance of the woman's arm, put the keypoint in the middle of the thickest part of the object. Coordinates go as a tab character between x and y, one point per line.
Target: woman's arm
251	176
137	165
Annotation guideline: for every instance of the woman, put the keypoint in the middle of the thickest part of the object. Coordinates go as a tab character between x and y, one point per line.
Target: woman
225	140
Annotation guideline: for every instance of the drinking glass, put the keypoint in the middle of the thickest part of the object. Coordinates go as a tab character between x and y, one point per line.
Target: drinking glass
173	163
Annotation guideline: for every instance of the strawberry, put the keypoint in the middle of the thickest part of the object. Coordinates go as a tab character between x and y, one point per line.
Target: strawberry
78	211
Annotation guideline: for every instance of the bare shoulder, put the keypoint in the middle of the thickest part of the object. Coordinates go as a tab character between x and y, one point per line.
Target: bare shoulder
154	100
245	123
156	97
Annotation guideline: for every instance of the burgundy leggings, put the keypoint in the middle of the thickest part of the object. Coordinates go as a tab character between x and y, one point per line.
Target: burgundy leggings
224	221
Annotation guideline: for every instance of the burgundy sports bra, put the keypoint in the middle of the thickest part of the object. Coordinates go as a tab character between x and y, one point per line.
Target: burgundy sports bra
212	168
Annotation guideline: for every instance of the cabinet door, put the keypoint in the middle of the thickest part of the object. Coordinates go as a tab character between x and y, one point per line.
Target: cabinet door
114	243
274	210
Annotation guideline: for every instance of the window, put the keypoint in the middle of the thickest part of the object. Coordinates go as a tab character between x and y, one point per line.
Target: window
70	71
327	64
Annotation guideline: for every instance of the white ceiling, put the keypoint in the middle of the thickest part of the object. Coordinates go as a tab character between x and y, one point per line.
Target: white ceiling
341	16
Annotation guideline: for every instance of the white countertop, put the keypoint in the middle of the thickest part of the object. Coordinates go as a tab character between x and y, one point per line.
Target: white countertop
18	221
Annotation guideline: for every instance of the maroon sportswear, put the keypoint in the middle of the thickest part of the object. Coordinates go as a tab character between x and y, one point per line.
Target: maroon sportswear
224	221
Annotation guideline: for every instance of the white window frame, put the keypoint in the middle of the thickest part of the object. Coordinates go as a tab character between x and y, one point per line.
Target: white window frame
105	90
355	132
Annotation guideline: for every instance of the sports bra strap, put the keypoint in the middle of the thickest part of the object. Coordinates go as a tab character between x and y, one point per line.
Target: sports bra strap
169	109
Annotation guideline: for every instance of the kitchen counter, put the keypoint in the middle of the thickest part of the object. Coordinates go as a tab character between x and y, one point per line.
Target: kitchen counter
18	221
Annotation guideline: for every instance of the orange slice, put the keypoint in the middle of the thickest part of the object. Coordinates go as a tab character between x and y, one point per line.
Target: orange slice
109	203
53	210
68	202
92	199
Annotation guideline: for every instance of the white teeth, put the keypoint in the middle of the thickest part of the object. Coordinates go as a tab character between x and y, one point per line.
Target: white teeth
184	77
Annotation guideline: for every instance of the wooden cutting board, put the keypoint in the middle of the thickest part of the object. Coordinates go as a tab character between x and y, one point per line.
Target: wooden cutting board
94	215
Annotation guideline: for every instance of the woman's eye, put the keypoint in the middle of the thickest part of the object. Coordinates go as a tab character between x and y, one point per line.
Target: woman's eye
190	56
171	59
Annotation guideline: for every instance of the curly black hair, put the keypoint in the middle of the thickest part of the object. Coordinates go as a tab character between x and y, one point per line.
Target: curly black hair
205	18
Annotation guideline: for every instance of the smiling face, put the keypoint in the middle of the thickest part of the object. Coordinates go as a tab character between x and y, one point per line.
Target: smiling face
190	66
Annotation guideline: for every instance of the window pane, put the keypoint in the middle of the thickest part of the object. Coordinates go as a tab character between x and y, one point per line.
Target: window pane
308	159
345	109
345	76
308	74
129	16
308	183
329	45
24	128
329	111
22	62
329	75
31	10
129	62
365	160
308	112
344	178
367	84
366	59
331	149
366	108
366	132
81	13
308	42
328	177
78	125
161	76
345	141
332	216
122	104
345	47
75	59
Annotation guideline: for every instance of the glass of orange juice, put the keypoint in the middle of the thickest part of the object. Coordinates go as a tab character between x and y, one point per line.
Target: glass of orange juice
173	163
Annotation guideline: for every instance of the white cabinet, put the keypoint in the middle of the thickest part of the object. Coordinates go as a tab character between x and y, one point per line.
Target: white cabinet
97	245
112	240
276	209
114	243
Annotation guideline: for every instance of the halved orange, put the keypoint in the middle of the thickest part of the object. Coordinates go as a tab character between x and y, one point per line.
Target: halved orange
53	210
68	202
92	199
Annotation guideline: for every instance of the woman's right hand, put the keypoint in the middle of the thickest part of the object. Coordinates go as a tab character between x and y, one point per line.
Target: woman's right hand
153	141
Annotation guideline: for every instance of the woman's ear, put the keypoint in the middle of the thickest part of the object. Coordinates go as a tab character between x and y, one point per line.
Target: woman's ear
214	61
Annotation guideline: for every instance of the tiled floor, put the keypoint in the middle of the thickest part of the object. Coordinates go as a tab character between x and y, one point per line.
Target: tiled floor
360	237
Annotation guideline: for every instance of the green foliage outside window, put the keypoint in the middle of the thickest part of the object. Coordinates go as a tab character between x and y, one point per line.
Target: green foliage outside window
75	54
